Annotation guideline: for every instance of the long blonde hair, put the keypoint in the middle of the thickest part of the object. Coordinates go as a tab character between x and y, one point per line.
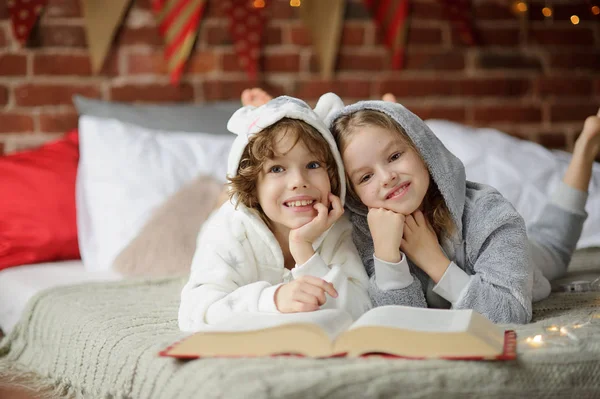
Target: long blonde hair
434	206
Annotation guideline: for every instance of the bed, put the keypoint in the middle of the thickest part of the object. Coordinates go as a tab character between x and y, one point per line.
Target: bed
100	339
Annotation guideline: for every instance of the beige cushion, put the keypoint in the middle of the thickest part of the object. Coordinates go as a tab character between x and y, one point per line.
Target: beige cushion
166	244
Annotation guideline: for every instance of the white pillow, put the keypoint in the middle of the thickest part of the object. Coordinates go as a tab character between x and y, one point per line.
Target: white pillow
524	172
126	171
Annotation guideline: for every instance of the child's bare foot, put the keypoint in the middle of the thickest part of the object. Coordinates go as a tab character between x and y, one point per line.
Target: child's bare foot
255	96
588	141
389	97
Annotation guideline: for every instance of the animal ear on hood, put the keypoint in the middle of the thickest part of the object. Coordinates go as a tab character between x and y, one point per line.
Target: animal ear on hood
327	106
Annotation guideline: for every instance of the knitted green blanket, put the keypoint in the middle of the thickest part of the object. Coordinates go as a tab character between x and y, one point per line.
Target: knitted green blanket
101	340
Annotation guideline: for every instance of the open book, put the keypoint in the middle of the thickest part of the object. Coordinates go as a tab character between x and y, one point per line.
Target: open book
389	330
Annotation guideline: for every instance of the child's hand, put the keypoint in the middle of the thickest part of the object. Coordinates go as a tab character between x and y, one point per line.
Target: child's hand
305	294
386	229
309	232
421	245
301	239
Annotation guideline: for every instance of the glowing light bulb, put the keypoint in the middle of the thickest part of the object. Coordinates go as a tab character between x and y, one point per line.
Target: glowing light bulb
295	3
547	11
258	3
574	19
596	10
521	6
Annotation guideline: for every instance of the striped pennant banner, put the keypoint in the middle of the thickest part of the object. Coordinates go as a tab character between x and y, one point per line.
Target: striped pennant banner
178	23
391	16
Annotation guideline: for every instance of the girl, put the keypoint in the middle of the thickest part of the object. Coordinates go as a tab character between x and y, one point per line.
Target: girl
428	237
276	246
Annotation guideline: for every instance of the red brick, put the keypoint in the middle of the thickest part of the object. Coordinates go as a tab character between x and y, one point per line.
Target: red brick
11	122
272	36
353	35
215	90
564	86
493	11
507	113
58	122
1	149
357	62
427	36
300	36
281	62
145	35
573	61
356	10
572	112
13	65
411	87
230	63
572	36
111	63
152	93
494	87
553	140
427	11
281	10
3	37
155	63
3	10
216	35
506	36
457	114
33	95
61	64
214	9
3	95
487	60
63	9
454	60
60	36
314	88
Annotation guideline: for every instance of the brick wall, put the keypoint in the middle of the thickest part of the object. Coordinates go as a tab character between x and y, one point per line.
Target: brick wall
538	83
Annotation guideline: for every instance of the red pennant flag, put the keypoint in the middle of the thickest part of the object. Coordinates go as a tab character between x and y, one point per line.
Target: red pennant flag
458	12
24	14
246	23
391	16
178	23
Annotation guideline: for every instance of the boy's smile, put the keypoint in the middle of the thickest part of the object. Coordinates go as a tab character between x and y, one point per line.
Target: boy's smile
291	183
390	174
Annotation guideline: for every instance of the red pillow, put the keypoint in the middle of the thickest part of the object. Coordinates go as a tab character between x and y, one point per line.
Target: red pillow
37	204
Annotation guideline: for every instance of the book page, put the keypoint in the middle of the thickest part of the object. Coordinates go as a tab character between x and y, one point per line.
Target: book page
331	321
416	319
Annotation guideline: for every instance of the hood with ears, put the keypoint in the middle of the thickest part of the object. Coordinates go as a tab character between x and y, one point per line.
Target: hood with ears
250	120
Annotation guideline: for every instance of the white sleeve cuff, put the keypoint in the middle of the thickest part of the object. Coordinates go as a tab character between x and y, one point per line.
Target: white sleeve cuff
266	300
392	276
312	267
452	283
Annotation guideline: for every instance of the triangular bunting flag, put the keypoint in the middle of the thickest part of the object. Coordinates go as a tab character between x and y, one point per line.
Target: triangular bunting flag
102	18
391	16
24	14
178	23
324	20
246	23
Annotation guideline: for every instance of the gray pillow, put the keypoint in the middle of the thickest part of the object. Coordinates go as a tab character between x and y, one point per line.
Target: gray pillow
206	118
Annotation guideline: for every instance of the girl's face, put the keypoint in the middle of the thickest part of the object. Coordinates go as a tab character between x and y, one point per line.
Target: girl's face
290	184
385	172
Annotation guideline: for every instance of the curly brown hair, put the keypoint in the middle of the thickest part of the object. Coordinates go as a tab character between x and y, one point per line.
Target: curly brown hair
434	206
261	148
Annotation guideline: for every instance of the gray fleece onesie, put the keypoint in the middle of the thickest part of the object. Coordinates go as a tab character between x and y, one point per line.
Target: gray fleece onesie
495	269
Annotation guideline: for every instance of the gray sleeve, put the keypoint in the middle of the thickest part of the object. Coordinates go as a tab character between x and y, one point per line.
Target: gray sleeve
501	285
412	295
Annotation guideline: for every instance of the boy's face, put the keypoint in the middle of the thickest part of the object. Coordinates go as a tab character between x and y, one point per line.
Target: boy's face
291	184
384	171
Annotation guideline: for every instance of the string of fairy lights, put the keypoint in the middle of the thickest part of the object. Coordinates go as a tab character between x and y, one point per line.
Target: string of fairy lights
521	7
